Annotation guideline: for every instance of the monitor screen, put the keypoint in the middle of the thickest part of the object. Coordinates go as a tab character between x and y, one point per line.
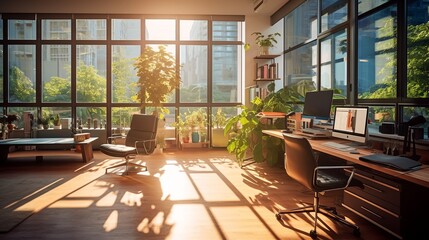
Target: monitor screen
350	123
318	104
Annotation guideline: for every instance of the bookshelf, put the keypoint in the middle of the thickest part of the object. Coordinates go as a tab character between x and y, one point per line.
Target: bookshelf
266	71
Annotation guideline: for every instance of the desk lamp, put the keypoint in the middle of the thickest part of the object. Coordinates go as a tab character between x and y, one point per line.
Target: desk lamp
411	125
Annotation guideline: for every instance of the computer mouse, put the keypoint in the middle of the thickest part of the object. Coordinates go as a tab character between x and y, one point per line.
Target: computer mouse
354	152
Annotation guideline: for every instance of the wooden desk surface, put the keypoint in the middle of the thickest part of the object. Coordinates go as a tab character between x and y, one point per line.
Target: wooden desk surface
419	176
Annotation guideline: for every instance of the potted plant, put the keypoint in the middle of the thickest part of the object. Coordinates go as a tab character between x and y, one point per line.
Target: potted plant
219	139
182	128
56	121
158	77
43	122
245	129
264	42
197	121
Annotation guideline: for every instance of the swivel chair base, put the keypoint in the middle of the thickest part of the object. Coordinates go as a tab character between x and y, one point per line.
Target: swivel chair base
330	212
127	164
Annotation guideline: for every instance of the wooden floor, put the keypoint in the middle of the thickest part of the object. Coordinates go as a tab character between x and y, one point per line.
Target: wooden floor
189	194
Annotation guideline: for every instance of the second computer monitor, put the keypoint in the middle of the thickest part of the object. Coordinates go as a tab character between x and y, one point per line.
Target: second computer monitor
317	105
350	123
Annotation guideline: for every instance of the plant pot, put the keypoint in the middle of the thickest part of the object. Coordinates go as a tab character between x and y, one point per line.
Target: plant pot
195	137
10	126
263	50
185	139
46	126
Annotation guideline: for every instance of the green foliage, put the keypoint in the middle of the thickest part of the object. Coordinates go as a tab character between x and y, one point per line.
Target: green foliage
158	75
122	80
266	41
245	129
57	90
21	88
56	120
90	86
219	119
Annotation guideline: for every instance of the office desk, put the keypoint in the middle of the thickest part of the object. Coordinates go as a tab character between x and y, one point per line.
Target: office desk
420	176
396	201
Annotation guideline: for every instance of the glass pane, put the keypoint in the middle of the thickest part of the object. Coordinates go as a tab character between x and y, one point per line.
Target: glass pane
365	6
51	112
412	111
91	29
377	55
19	111
121	119
56	69
124	76
226	73
170	48
326	76
22	29
333	14
379	114
1	28
22	73
227	31
301	24
193	30
126	29
333	64
91	73
87	115
193	60
300	69
1	74
160	29
56	29
417	43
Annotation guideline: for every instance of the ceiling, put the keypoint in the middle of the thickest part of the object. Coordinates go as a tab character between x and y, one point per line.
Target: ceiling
192	7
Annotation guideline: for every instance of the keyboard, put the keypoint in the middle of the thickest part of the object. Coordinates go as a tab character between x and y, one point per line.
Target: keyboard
339	146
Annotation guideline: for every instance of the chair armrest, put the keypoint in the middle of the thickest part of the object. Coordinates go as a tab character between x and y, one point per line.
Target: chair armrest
351	168
143	143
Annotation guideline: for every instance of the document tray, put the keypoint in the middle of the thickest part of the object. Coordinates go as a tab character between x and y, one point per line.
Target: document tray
395	162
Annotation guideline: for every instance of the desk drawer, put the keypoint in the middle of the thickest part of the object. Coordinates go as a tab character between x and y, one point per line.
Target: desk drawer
376	214
378	190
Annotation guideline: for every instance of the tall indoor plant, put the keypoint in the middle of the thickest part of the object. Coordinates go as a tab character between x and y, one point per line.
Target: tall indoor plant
245	129
158	76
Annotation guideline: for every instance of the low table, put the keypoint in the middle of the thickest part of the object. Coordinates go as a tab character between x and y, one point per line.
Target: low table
86	146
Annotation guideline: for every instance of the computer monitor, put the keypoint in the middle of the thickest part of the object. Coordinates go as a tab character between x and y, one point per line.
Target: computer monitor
317	105
350	122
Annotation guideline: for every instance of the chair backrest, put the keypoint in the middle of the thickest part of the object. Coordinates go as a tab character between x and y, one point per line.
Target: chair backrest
299	159
143	127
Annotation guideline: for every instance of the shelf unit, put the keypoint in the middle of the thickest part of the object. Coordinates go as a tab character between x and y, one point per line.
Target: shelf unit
266	72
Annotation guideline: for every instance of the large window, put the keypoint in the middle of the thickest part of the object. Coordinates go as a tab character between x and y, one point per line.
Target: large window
417	49
383	64
82	66
377	44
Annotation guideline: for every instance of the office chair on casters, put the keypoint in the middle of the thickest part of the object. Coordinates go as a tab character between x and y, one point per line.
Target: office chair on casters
301	165
140	139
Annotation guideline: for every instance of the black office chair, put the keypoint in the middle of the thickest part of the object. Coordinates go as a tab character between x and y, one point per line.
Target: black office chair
301	165
140	139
